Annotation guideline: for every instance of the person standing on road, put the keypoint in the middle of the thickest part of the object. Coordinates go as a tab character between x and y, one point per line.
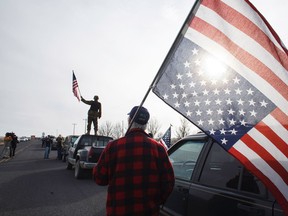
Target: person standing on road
94	113
14	143
7	145
59	141
47	144
136	169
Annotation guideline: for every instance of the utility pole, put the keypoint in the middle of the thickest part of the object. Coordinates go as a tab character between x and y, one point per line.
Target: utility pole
74	128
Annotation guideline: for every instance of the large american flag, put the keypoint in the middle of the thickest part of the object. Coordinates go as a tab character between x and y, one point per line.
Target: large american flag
227	73
75	87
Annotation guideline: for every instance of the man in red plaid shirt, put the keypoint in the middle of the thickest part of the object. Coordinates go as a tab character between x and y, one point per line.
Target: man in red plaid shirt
136	169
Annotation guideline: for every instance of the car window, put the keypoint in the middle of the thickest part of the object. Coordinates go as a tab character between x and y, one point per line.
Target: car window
87	140
73	139
185	157
100	142
220	169
77	141
224	171
252	184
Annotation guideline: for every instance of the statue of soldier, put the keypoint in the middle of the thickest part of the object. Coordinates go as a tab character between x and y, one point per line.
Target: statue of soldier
94	113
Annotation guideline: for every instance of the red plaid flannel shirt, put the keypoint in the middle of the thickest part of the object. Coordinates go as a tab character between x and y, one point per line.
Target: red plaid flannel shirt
138	173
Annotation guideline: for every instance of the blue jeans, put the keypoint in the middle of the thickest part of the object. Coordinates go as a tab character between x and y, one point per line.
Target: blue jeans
47	152
59	153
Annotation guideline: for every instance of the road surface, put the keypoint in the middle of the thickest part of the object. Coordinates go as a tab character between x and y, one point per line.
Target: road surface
33	186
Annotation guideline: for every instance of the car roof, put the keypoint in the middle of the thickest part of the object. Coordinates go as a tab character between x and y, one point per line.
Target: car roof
98	136
73	136
196	136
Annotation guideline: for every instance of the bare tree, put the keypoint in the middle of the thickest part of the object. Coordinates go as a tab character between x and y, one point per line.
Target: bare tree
118	130
183	130
106	129
153	126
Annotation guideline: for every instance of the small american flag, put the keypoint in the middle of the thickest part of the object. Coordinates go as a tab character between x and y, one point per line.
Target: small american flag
166	138
75	87
227	74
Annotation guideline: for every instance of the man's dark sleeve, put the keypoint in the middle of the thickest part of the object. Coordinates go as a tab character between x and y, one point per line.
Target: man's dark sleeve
86	102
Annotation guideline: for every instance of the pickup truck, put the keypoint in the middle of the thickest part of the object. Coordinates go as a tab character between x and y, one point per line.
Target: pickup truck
210	182
85	152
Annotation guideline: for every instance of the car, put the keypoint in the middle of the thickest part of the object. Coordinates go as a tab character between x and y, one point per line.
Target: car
211	182
23	139
83	155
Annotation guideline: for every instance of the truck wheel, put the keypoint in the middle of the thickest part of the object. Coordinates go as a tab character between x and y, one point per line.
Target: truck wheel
79	172
69	165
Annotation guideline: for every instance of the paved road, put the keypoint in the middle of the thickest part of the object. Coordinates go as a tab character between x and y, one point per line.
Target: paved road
32	186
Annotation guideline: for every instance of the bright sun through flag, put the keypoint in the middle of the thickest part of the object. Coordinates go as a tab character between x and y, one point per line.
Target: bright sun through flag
214	68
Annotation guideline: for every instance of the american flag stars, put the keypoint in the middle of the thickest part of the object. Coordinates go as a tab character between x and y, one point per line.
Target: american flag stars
221	105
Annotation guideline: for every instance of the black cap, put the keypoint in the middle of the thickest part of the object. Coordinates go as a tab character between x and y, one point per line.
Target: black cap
142	116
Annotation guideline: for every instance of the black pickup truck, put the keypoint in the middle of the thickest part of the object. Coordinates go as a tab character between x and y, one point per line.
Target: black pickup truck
210	182
85	152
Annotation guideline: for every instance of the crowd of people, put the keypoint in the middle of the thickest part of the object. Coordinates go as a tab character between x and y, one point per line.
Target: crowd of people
11	141
47	144
10	144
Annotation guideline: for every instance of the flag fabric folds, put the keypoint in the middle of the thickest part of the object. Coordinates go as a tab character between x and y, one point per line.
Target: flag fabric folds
227	72
166	138
75	87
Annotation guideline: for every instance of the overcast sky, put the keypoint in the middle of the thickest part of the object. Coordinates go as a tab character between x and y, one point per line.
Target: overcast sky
115	48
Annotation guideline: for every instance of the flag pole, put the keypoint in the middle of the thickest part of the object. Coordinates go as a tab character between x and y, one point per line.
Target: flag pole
176	41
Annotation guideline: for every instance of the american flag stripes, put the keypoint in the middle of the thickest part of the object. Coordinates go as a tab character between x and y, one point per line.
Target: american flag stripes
227	72
75	87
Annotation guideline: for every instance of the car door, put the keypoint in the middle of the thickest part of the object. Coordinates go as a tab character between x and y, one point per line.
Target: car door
72	150
183	157
224	187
